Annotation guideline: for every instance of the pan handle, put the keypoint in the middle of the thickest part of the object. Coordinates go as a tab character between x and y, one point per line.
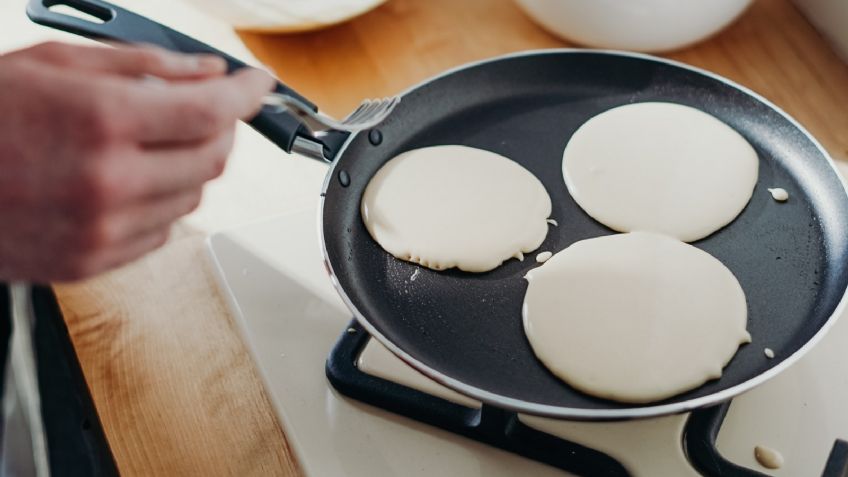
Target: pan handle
113	23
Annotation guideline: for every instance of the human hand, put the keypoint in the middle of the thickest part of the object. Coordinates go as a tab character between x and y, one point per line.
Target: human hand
97	160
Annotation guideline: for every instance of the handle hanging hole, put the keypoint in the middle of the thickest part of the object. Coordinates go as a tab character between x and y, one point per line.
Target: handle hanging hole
81	10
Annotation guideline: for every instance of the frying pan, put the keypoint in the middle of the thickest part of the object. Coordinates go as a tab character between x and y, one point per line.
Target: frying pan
464	330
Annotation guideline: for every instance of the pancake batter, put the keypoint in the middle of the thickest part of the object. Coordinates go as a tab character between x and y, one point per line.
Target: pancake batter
635	317
543	257
768	457
779	194
660	167
456	206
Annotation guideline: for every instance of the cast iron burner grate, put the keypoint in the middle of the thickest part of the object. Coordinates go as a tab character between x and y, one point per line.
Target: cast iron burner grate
503	429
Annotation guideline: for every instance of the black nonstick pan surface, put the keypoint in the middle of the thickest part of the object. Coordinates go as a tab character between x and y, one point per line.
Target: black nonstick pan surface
464	330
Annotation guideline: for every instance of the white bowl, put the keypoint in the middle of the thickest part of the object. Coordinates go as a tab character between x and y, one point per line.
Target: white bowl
285	16
641	25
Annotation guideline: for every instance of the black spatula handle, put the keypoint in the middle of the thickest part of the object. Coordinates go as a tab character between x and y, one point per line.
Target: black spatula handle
121	25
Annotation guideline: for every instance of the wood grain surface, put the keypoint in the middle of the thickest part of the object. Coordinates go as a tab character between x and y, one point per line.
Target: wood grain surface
173	383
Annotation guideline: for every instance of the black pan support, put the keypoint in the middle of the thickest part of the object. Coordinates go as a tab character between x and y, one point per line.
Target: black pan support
464	330
120	25
504	429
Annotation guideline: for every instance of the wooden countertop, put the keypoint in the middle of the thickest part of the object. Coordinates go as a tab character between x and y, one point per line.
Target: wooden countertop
173	384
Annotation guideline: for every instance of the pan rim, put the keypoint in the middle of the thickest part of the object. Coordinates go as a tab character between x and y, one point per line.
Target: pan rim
571	413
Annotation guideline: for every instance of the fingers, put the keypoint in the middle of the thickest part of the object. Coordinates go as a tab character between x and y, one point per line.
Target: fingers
122	236
118	256
147	217
128	60
142	228
179	112
167	170
129	176
155	112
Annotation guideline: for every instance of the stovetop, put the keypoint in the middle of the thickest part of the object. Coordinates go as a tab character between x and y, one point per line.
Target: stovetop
291	318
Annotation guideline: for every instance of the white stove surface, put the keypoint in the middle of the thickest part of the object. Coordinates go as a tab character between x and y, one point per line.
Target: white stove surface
290	317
